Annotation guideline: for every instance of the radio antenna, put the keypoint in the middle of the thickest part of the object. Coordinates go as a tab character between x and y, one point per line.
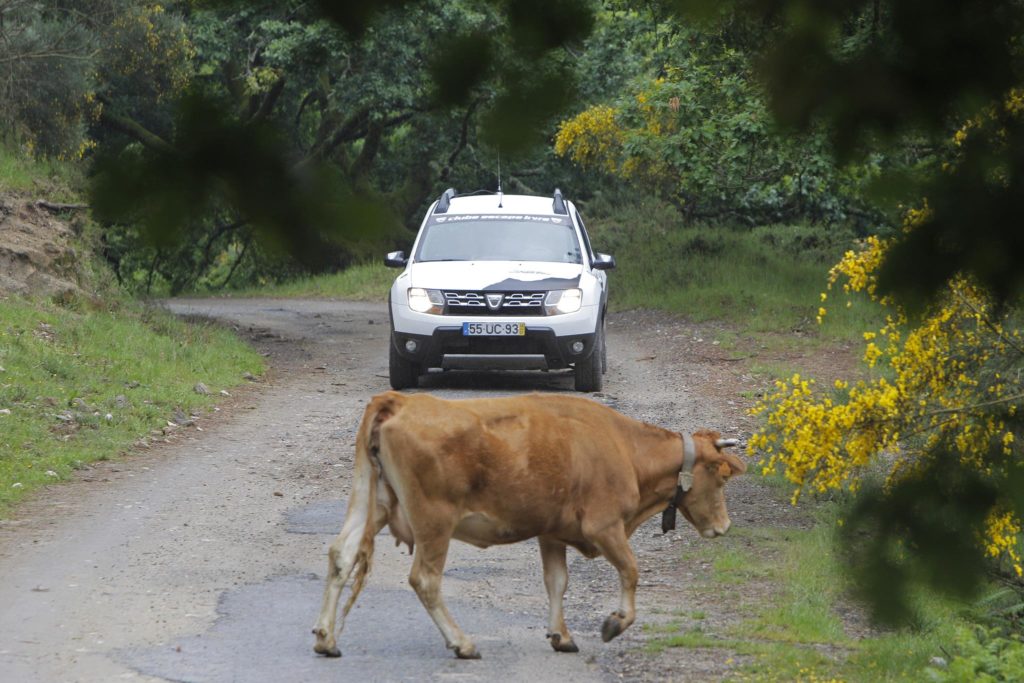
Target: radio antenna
499	179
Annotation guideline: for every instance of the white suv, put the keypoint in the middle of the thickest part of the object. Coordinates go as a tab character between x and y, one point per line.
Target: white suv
499	282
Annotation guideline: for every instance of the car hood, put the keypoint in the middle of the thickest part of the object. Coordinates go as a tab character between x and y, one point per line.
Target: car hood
498	276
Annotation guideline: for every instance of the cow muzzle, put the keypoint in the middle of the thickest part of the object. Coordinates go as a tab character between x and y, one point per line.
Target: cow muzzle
717	530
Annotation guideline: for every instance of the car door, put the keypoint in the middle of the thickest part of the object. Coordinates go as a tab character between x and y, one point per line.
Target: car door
602	276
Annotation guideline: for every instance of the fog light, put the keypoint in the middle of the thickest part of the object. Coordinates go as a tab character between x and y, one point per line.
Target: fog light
577	346
411	346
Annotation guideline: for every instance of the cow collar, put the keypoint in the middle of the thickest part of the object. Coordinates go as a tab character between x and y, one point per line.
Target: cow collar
689	460
684	484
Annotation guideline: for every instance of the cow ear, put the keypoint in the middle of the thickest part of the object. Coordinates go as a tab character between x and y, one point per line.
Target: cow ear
709	434
734	463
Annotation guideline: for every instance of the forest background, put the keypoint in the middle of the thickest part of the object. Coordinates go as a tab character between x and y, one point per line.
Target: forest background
239	128
225	144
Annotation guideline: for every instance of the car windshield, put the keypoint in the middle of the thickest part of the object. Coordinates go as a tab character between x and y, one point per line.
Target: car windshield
499	240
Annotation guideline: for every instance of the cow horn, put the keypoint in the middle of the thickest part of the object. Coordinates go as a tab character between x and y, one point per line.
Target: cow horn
727	443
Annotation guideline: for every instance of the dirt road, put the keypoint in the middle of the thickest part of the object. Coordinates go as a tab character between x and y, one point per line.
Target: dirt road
202	559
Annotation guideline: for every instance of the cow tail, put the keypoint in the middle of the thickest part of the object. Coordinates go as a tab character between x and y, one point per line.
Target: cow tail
368	471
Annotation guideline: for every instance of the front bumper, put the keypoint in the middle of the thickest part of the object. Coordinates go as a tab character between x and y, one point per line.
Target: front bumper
440	343
447	348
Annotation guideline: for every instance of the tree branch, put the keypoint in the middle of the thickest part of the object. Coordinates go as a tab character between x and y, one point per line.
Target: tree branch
349	130
371	145
463	138
355	128
135	130
47	55
238	261
315	95
219	231
269	100
54	207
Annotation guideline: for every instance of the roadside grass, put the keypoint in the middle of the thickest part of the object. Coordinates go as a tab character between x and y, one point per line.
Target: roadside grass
364	282
21	173
83	385
794	630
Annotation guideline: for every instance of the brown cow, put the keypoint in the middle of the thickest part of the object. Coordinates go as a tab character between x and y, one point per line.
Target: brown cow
566	470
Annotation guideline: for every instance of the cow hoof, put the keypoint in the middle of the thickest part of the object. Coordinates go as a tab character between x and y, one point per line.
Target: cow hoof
327	651
321	647
562	646
612	626
467	652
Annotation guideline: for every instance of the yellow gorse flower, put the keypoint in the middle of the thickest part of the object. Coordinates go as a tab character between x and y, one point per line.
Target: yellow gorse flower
592	138
938	385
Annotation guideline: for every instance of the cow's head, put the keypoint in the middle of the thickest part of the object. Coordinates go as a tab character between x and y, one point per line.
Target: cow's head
704	504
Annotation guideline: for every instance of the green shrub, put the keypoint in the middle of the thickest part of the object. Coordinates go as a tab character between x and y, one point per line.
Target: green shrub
982	655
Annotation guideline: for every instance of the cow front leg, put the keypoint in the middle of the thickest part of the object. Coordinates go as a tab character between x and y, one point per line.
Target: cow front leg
556	579
425	578
614	545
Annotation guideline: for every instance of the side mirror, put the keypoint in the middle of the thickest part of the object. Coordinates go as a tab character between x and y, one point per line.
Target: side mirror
603	262
396	259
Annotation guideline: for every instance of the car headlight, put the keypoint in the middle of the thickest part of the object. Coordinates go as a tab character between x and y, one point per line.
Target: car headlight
426	300
563	301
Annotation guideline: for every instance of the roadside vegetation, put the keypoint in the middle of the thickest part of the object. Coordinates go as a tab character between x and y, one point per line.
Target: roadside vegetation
91	376
52	177
88	383
361	282
794	631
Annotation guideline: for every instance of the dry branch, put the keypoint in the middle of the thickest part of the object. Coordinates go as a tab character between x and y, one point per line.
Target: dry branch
55	207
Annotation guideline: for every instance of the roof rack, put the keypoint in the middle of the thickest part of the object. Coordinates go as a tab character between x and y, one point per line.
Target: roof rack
559	203
445	201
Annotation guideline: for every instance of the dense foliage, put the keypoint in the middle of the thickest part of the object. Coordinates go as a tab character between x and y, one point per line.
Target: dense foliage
242	142
288	133
234	142
700	135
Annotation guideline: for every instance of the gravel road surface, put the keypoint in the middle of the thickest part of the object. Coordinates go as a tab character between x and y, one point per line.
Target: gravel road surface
201	557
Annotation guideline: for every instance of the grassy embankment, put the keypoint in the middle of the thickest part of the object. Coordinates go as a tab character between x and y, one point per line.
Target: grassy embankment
762	284
55	178
794	631
84	381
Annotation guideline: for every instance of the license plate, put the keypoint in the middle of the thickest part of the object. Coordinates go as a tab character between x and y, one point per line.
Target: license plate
493	329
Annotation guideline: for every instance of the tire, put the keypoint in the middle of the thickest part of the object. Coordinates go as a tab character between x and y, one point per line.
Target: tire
604	350
402	373
589	373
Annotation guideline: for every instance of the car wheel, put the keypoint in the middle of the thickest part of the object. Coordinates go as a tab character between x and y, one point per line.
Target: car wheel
589	375
403	374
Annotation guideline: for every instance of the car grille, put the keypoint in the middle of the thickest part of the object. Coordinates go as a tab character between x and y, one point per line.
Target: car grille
512	303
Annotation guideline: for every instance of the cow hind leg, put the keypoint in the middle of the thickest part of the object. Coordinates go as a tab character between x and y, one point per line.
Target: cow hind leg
614	545
425	578
351	550
556	579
